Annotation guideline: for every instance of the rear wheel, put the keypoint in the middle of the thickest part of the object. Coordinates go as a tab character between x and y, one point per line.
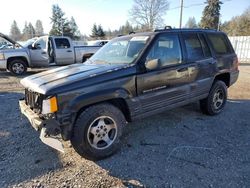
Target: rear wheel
17	67
216	99
97	131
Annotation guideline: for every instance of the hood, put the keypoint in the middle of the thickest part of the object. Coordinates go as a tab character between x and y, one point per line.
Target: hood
9	39
71	77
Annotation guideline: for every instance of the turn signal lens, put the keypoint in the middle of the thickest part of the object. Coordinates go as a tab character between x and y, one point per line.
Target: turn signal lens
49	105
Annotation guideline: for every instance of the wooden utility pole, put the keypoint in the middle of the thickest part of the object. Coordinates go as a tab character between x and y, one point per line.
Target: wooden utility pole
181	13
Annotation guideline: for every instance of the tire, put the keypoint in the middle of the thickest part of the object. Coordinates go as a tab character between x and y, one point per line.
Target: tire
97	131
17	67
216	100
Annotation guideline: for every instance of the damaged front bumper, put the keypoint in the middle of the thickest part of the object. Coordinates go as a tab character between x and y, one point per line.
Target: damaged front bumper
42	126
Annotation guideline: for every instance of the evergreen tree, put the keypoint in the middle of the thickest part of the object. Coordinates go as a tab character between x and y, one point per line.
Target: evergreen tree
15	33
191	23
31	30
39	28
28	31
25	35
126	29
74	29
59	22
100	32
211	14
94	31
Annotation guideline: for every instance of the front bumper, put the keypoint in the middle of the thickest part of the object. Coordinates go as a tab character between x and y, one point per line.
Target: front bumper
40	125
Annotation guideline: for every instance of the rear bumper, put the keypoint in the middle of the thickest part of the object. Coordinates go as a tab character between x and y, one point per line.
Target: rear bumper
234	77
45	126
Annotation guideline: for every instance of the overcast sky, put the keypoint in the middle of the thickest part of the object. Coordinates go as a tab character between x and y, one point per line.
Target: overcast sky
111	14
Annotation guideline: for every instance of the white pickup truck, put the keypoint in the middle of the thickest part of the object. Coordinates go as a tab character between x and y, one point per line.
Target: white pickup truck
43	52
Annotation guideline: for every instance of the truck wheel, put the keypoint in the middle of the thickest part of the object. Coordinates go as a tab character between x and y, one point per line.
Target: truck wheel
216	99
17	67
97	131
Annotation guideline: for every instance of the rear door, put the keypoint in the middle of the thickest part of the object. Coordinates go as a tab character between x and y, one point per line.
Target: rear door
223	50
201	64
169	83
63	52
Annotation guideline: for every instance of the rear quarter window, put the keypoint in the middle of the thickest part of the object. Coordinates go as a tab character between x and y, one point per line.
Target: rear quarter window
219	43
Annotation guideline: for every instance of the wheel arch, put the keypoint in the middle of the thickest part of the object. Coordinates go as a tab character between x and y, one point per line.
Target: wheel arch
10	59
116	98
225	77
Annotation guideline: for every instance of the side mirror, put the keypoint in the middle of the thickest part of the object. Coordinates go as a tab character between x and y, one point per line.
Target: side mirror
152	64
36	46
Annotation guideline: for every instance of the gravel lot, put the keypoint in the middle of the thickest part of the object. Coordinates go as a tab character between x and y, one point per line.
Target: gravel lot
179	148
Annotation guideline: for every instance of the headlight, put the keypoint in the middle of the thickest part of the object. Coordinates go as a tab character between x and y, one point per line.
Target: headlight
49	105
2	56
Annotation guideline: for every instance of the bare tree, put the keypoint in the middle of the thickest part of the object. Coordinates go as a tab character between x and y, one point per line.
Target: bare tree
148	13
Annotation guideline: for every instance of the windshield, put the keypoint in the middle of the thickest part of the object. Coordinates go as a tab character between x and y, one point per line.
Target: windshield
121	50
29	42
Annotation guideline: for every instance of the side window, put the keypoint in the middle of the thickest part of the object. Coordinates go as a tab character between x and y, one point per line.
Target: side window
193	47
219	44
62	43
41	43
167	50
206	50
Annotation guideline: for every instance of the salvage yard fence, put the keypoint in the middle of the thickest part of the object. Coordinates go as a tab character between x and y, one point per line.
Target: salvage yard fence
241	46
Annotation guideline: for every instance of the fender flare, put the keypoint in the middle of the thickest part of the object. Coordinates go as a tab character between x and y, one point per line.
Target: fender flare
87	99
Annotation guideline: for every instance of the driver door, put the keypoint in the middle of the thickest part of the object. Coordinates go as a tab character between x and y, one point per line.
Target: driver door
38	53
168	83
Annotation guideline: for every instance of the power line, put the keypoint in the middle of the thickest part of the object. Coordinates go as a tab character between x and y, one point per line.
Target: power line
194	5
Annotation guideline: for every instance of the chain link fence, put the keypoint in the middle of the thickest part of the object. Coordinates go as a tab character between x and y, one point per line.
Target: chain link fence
241	46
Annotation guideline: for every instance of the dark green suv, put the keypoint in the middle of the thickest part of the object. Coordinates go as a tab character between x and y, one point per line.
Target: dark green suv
129	78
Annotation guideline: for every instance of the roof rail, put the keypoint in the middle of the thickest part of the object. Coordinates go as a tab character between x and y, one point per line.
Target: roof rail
167	27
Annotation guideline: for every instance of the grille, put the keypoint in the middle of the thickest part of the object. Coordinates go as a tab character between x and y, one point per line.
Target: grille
34	100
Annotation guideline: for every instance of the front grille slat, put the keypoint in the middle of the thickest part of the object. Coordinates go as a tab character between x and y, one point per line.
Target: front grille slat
34	100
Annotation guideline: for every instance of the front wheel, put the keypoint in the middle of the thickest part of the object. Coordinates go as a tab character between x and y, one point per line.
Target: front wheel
17	67
216	99
97	131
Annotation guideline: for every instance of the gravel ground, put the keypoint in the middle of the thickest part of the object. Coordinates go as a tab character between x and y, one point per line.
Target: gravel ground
178	148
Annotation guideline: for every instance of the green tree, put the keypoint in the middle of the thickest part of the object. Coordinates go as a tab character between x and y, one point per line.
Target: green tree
39	28
94	31
15	33
211	14
25	35
76	35
100	32
59	22
28	31
149	13
126	29
191	23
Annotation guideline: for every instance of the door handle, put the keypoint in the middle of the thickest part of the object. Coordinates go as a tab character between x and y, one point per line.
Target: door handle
43	53
69	50
182	69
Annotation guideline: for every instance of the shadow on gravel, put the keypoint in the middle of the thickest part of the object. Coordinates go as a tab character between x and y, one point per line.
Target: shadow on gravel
184	148
22	155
